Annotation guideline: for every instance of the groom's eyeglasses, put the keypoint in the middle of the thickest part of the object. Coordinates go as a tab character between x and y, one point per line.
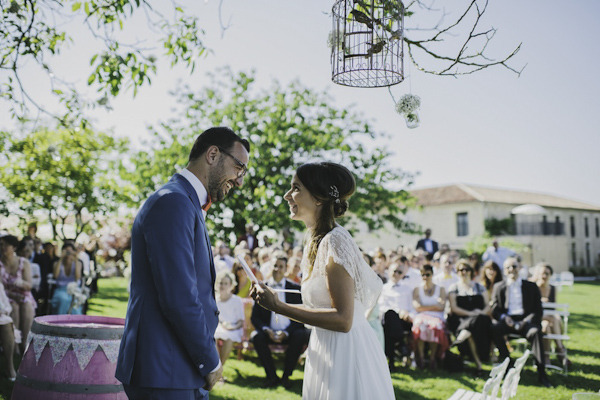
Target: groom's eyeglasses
243	166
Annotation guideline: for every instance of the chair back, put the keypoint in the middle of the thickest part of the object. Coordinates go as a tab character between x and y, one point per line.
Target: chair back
492	385
511	381
567	278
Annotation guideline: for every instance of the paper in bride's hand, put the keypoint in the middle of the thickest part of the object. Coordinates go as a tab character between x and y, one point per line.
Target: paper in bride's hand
247	270
253	279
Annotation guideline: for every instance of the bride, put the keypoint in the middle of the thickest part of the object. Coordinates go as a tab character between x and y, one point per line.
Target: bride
345	359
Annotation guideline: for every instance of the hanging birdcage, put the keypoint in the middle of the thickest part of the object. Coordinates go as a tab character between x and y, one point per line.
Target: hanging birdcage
367	43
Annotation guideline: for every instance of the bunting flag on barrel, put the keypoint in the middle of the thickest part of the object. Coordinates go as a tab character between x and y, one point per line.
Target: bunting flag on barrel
84	349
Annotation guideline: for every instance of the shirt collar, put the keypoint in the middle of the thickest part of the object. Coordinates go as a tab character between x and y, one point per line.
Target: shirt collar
281	282
196	184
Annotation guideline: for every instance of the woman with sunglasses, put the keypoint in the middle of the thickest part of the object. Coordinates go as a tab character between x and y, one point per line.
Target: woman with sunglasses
429	325
469	318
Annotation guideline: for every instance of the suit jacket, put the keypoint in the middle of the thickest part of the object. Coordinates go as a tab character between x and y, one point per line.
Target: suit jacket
261	317
421	245
168	340
532	300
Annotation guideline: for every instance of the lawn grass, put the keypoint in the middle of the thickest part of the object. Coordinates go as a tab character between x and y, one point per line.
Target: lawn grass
246	377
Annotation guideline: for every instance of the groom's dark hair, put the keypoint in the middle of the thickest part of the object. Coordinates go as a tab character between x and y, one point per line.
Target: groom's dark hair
220	136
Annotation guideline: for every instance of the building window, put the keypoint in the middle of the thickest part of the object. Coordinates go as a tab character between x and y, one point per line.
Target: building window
586	227
557	227
462	224
572	226
597	227
573	255
588	260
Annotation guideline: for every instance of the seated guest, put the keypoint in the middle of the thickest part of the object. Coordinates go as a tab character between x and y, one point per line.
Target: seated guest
446	276
380	265
231	315
491	274
476	265
293	270
7	338
66	270
469	319
242	282
16	278
429	325
412	276
553	323
517	306
223	261
264	260
272	328
395	304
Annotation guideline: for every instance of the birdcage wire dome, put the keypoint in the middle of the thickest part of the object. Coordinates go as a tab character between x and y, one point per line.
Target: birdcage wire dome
367	43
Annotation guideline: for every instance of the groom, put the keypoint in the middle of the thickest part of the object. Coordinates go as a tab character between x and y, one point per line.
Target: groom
168	349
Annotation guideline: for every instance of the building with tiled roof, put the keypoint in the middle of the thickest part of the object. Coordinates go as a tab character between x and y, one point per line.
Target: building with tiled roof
565	234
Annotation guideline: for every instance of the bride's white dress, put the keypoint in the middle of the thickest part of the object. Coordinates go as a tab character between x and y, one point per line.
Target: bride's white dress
341	365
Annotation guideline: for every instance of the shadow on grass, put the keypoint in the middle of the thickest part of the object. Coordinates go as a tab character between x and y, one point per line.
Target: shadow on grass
112	293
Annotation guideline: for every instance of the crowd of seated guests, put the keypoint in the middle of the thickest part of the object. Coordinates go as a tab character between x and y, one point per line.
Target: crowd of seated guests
430	302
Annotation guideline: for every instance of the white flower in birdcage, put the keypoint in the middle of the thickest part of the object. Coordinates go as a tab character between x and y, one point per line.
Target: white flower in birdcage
407	106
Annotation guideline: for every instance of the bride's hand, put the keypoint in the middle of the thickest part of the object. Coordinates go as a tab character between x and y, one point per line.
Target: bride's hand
264	296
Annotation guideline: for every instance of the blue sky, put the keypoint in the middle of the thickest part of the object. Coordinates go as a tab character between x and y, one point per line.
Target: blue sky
538	132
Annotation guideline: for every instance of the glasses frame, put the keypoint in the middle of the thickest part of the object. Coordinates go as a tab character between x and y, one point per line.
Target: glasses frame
428	274
244	167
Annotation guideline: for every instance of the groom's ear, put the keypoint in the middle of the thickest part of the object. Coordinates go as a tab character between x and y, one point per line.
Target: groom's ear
211	155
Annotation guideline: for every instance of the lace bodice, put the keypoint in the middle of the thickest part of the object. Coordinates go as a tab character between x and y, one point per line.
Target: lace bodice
339	246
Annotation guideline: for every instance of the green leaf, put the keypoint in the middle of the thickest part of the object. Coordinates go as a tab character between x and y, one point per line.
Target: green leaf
76	6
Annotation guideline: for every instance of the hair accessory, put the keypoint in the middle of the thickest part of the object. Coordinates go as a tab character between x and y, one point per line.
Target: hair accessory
334	193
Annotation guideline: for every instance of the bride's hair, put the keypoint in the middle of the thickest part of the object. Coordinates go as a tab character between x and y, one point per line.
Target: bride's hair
332	185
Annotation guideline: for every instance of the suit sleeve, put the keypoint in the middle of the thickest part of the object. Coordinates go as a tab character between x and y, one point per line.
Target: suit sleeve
169	229
260	317
497	304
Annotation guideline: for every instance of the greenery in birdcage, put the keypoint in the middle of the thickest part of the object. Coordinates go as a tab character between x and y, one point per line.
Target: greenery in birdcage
380	10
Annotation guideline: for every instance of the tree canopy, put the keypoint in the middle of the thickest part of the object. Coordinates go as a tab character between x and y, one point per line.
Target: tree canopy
71	176
33	33
286	127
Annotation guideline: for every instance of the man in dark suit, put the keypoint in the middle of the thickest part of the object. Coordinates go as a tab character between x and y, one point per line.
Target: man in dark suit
168	349
249	237
430	246
277	329
517	306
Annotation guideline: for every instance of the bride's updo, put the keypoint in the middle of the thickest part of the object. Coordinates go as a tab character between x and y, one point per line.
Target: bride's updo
332	185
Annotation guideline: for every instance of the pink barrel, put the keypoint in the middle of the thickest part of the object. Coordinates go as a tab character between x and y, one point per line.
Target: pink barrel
77	341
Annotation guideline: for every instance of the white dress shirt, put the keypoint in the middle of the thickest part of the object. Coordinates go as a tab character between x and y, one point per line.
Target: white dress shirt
278	321
198	187
397	297
515	298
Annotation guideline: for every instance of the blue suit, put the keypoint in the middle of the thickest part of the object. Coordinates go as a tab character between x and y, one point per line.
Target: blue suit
168	341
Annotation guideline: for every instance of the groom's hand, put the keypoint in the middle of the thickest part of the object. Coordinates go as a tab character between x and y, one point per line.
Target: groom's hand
213	378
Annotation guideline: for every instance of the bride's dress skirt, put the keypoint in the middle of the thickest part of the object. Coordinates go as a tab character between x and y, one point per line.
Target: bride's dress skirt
346	366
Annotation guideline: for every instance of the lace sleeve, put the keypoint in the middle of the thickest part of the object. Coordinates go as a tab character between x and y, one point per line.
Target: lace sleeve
339	246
